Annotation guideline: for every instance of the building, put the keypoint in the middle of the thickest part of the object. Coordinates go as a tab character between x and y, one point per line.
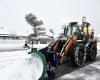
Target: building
6	34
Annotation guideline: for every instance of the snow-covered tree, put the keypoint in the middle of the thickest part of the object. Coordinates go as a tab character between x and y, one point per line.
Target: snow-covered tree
40	32
32	20
51	30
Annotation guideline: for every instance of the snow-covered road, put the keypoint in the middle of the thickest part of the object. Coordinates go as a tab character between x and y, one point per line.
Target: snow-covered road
18	65
15	65
91	71
8	45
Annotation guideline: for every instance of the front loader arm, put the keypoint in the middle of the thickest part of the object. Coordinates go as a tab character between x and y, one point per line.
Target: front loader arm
54	46
69	44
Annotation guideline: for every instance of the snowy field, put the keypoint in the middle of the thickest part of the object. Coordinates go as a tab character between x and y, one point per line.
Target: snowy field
16	65
8	45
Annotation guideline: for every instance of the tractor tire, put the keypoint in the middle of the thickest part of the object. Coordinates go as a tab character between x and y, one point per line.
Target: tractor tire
51	75
92	53
77	55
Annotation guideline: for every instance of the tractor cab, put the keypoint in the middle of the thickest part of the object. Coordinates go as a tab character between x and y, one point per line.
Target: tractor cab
72	28
80	30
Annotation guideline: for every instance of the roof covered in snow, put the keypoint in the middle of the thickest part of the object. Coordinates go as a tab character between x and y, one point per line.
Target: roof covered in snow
8	32
48	33
4	31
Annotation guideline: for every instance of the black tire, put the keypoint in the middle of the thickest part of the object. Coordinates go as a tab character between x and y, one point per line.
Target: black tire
51	75
51	72
92	52
77	55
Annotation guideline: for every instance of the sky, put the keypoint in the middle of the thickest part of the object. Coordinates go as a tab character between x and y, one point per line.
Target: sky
54	13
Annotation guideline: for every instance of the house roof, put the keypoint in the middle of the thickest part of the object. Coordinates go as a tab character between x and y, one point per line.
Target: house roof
4	31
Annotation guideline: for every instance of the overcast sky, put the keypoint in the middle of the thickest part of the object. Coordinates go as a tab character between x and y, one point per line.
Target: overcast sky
53	12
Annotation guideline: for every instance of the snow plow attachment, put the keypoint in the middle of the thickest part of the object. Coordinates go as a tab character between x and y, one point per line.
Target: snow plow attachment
40	64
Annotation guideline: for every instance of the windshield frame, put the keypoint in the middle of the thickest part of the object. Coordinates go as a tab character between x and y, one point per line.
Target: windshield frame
70	29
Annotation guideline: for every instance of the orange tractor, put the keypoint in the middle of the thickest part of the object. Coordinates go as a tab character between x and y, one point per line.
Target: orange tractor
77	43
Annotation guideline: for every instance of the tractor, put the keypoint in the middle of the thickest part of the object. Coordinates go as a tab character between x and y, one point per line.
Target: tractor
76	43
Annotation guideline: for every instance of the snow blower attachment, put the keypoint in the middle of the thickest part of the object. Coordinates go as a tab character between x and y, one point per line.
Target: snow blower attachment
77	43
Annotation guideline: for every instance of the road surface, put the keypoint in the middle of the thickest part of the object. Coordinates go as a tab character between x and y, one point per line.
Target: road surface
15	65
91	71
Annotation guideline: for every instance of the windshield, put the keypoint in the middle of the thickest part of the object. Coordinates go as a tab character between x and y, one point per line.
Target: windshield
71	29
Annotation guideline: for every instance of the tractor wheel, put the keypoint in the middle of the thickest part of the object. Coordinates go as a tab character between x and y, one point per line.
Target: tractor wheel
77	55
92	53
51	72
51	75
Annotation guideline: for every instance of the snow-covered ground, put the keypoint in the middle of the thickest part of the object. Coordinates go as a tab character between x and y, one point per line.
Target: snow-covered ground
7	45
98	45
17	65
88	72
